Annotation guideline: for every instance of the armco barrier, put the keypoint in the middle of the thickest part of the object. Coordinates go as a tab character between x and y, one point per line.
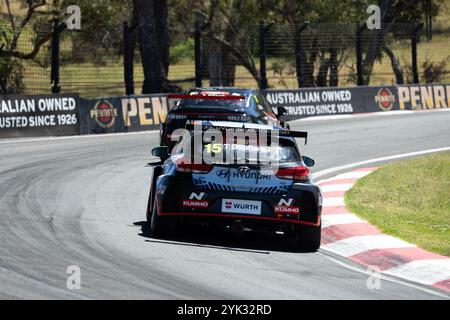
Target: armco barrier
123	114
68	114
39	115
309	102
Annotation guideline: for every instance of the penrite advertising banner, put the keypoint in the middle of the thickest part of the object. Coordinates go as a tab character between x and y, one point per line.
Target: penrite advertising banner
423	97
309	102
123	114
68	114
39	115
302	103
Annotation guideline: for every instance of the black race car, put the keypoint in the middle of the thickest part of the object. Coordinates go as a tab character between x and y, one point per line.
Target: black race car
241	185
219	104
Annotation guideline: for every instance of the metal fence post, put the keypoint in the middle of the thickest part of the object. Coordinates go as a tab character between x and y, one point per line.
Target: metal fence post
262	57
429	20
128	58
262	54
414	40
298	54
359	56
55	58
198	54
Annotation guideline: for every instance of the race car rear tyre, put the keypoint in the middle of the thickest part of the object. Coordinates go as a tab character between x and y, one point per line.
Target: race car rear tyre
161	226
150	207
151	198
308	238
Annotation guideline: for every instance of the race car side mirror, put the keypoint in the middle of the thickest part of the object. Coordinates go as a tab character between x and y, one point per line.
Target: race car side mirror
281	111
161	152
308	161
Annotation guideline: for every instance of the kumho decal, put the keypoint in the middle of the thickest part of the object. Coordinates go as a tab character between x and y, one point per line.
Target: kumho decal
196	200
285	207
195	203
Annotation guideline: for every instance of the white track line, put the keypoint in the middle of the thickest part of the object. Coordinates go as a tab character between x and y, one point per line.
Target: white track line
84	136
352	175
426	272
333	202
336	187
335	219
367	115
352	116
383	276
354	245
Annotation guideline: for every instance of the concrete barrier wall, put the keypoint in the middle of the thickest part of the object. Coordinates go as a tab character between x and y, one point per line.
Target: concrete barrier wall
69	114
334	101
123	114
39	115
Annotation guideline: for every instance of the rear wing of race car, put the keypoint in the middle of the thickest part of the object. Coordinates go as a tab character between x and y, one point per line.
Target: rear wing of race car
281	132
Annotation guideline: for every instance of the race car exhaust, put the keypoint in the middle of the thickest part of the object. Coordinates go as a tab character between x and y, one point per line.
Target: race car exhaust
237	227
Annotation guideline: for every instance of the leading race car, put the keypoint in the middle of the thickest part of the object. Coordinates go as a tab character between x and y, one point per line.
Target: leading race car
260	182
219	104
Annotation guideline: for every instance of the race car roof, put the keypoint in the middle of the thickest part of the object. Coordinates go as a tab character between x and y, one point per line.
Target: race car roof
212	98
231	90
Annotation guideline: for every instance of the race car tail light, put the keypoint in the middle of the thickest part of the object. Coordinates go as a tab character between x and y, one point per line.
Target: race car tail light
207	96
177	116
298	173
243	118
184	165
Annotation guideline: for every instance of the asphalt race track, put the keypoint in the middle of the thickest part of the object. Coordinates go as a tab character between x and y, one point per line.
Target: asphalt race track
81	201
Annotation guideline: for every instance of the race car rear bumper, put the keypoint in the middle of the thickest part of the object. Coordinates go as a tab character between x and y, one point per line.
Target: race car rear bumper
241	217
172	194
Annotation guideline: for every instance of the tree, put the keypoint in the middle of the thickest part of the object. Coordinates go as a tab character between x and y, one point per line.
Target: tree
101	28
326	41
393	11
150	18
230	39
11	54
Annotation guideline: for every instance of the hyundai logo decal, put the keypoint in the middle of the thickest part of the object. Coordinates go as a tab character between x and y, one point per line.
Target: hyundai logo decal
243	169
224	173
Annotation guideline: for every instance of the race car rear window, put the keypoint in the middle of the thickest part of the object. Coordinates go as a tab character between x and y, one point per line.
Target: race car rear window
254	154
285	152
208	103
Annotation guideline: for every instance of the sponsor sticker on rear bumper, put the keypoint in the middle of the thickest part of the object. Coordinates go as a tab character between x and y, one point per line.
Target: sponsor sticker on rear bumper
287	209
196	203
241	206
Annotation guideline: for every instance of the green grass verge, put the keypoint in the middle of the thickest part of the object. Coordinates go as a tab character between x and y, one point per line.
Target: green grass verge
409	200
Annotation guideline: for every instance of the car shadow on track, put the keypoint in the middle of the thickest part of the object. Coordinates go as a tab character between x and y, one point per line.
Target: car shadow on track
223	240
